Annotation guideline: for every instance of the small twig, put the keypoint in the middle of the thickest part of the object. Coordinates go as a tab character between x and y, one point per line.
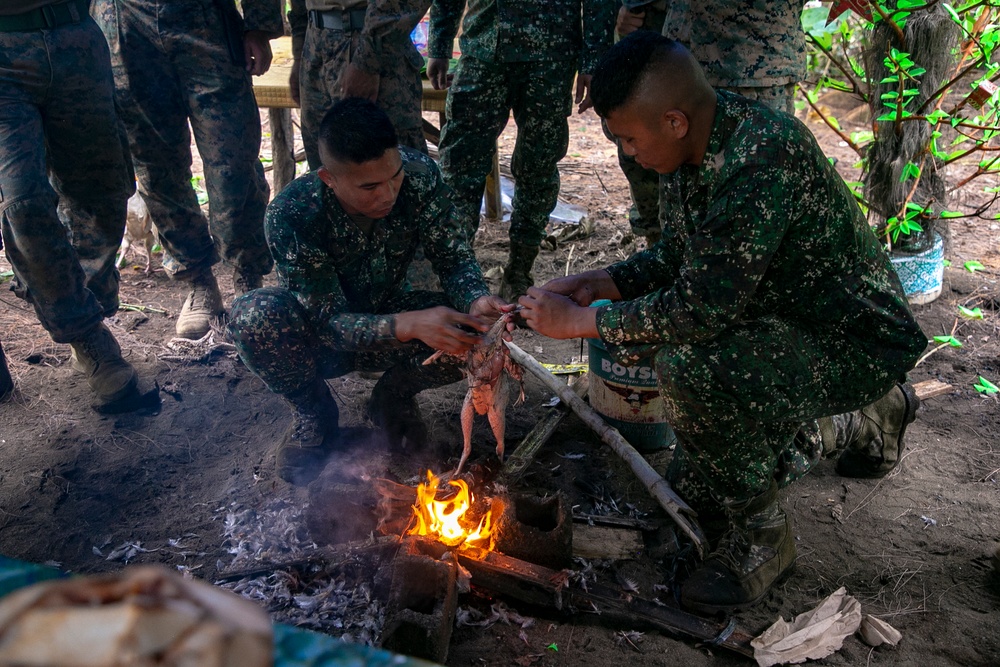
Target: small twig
569	258
140	309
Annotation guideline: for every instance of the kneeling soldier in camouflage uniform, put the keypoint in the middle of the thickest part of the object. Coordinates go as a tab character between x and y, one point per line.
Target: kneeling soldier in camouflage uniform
342	238
64	173
768	305
519	56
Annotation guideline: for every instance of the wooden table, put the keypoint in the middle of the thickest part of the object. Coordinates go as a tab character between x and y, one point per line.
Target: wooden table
273	93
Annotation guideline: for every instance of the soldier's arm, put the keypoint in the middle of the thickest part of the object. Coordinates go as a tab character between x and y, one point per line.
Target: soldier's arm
445	17
724	261
383	19
305	268
598	32
444	239
263	16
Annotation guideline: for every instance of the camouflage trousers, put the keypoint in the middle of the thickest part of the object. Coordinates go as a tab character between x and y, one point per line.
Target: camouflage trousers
64	175
325	55
744	405
644	184
480	101
172	66
280	341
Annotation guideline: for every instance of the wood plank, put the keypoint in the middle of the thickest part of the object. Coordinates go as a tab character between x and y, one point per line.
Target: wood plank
607	543
931	388
614	521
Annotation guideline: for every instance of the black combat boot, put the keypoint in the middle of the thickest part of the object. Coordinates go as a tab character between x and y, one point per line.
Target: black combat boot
871	439
517	276
311	436
755	553
6	381
98	356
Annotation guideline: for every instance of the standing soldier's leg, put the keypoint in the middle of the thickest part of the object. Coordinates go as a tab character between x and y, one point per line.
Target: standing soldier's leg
154	108
542	105
226	124
780	97
477	110
644	186
58	81
325	53
400	92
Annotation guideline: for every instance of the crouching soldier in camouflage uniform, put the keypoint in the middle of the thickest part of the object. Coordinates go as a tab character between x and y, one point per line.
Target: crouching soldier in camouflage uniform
64	183
357	48
181	61
518	56
342	238
768	305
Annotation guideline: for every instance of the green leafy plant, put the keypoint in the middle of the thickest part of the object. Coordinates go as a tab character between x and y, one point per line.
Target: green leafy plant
973	265
971	313
984	386
926	70
948	340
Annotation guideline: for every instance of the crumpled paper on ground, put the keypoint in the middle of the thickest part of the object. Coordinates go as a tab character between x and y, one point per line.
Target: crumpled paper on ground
812	635
148	616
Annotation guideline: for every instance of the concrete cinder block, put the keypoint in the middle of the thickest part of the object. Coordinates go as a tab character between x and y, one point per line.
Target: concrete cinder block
536	529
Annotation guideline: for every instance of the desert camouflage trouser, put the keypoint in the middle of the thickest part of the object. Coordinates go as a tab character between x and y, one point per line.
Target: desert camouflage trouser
325	54
172	65
479	104
64	174
744	405
278	340
644	184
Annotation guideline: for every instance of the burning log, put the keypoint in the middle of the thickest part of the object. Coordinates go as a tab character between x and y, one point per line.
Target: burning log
658	487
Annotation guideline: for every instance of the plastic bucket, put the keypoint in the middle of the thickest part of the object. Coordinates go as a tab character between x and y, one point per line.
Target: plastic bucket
922	273
629	399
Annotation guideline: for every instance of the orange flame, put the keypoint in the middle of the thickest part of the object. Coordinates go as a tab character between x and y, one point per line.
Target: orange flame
442	519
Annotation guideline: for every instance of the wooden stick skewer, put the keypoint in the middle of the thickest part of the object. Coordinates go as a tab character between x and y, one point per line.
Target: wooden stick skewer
679	511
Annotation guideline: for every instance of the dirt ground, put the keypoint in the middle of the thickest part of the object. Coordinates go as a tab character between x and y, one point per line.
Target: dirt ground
193	486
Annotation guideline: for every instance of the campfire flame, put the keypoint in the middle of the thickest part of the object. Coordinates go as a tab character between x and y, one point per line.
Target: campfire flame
442	519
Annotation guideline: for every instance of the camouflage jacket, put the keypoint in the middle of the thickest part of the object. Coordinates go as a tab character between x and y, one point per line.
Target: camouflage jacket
387	23
753	43
524	30
764	227
344	277
263	15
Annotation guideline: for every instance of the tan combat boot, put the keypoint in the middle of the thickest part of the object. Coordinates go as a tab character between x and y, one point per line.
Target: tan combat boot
517	276
6	381
203	304
99	357
311	436
756	552
871	439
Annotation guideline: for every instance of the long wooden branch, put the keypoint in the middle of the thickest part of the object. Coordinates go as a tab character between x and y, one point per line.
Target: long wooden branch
679	511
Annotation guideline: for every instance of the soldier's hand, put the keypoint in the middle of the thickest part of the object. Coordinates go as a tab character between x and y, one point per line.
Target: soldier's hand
490	308
439	328
583	92
359	83
437	73
257	49
557	316
628	21
293	82
585	288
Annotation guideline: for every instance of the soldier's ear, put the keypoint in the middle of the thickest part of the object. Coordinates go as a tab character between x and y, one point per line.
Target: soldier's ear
676	122
327	177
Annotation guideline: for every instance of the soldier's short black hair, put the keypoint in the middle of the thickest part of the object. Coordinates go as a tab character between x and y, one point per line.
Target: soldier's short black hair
619	73
356	130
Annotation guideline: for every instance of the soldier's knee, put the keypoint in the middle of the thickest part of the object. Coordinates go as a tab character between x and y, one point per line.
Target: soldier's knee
266	307
681	375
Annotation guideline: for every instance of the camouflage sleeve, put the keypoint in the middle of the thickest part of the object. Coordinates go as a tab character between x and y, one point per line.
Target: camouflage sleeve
724	262
263	15
598	32
384	19
445	17
445	242
305	268
298	19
